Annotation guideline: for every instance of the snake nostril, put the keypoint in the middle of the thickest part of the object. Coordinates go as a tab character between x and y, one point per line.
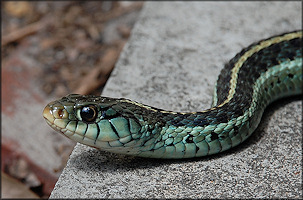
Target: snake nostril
60	113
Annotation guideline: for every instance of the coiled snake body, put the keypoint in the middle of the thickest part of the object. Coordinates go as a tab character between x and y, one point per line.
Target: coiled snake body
259	74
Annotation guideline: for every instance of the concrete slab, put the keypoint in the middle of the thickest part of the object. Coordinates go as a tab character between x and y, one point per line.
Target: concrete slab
172	61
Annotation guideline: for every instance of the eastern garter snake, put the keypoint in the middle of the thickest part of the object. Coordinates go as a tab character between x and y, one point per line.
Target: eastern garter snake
259	74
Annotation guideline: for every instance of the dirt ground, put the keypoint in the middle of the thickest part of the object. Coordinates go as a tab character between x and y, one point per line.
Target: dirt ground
77	43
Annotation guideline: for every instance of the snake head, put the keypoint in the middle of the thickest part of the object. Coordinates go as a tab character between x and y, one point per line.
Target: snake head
93	120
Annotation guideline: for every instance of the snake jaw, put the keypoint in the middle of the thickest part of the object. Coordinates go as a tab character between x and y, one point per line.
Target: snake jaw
113	128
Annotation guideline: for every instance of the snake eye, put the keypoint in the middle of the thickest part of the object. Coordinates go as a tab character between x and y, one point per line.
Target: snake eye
88	113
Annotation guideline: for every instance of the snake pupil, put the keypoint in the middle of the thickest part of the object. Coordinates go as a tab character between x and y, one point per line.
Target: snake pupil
88	113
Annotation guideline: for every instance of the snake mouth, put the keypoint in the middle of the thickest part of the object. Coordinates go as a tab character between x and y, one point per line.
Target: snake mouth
56	119
106	138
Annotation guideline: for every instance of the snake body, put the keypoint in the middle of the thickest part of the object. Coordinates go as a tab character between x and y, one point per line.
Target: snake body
261	73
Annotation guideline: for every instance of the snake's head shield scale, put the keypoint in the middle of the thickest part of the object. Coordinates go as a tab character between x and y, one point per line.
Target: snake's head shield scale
102	122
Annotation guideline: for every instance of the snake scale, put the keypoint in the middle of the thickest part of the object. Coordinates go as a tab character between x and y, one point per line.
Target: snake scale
260	74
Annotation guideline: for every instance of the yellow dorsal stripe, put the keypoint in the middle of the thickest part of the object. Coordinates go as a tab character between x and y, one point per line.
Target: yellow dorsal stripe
246	55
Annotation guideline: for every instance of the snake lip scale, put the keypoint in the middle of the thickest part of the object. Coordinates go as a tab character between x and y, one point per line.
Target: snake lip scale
260	74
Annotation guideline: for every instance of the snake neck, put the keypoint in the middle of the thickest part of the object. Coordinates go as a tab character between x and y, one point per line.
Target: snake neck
262	78
221	127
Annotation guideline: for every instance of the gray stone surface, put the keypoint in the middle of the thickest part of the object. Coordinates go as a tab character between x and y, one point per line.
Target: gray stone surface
172	61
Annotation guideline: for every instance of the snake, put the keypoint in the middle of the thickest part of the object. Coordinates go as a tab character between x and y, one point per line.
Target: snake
261	73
